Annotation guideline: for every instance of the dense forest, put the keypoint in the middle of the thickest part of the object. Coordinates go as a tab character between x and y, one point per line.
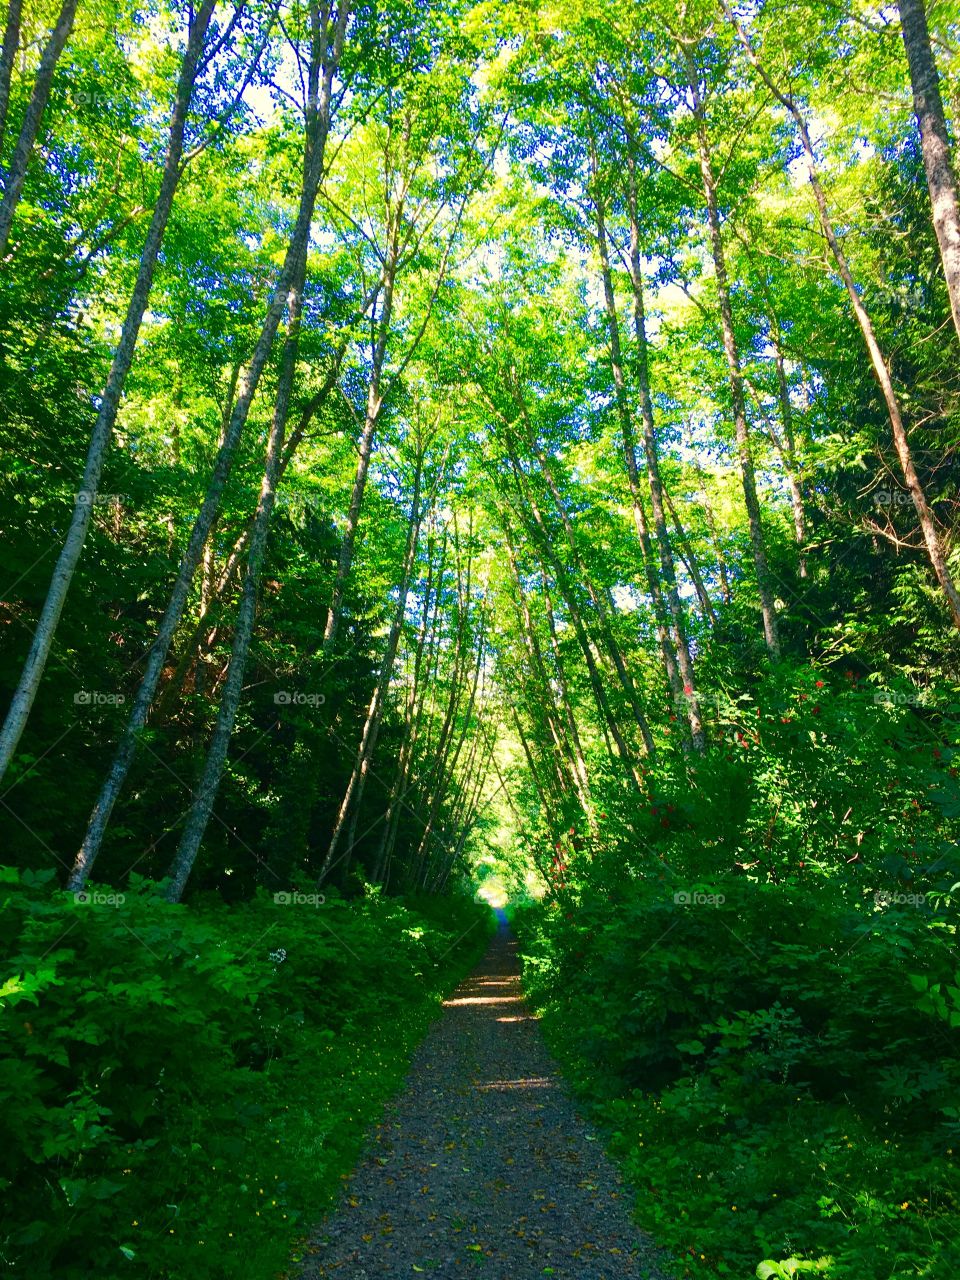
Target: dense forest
479	452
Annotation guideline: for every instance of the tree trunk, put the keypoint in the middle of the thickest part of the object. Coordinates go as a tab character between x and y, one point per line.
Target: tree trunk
368	742
571	719
209	785
712	527
668	647
788	454
935	144
411	723
16	172
686	554
42	642
213	588
567	746
604	622
931	537
8	54
371	418
738	403
327	56
667	566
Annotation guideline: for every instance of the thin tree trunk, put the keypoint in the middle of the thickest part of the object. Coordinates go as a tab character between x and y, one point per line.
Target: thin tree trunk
371	418
668	648
935	144
371	728
548	804
214	591
607	718
931	537
399	785
453	745
16	172
210	778
470	817
42	642
738	403
207	572
603	613
572	728
789	454
327	56
712	528
450	755
667	566
784	449
690	561
8	54
566	747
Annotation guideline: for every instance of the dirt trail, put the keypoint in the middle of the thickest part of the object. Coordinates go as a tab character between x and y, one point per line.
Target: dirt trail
482	1165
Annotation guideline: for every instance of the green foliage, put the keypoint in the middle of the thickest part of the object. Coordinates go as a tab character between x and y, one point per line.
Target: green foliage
185	1087
762	1006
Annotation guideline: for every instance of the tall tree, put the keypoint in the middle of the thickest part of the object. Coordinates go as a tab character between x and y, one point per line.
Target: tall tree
15	172
935	144
86	498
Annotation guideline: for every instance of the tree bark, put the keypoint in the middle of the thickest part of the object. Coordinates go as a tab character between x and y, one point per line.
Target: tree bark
16	171
210	778
370	420
686	553
8	54
928	527
371	728
412	715
325	55
668	648
42	642
667	566
934	143
732	353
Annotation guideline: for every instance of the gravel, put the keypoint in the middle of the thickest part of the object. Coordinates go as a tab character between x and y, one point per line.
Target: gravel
482	1166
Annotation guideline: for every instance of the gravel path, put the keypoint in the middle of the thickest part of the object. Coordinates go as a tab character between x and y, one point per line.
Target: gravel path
482	1165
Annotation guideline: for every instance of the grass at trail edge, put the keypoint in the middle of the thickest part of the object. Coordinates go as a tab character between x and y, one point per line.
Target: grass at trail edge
192	1115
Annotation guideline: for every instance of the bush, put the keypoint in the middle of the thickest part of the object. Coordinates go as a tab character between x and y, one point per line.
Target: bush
754	979
185	1086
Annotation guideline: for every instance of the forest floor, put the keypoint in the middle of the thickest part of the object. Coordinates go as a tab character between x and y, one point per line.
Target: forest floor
482	1164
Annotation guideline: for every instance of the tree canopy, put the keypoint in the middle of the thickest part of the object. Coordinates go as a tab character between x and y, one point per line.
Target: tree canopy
516	445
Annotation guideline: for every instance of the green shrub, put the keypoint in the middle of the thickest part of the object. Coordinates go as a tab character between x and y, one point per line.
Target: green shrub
754	979
185	1086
